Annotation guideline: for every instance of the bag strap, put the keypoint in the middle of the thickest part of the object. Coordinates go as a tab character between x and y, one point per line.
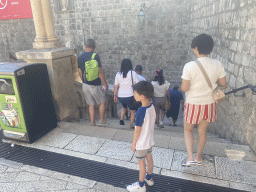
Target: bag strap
204	73
93	55
132	77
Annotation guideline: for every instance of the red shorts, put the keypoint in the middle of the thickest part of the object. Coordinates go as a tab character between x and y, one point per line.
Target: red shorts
193	113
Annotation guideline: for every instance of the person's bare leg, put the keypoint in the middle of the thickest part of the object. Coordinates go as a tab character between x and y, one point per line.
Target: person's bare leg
132	118
201	140
123	111
91	113
149	159
157	116
142	173
127	114
189	139
102	111
174	121
162	114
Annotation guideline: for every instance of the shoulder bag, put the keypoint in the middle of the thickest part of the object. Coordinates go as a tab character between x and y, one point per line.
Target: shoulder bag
218	94
135	104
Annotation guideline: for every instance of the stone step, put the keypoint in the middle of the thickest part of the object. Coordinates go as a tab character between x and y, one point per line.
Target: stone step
171	131
221	149
165	139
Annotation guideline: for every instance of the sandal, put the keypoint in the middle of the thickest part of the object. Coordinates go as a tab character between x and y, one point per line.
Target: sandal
188	163
198	162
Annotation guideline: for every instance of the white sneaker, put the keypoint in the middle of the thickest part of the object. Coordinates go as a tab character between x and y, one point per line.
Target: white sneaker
161	124
150	182
136	187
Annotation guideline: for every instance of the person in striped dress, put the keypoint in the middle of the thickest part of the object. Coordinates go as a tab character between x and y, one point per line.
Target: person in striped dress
200	107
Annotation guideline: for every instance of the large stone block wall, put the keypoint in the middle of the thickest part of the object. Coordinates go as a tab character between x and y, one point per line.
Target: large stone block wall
159	42
15	35
233	26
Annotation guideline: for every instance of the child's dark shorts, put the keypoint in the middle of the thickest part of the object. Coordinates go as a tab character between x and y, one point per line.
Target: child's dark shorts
141	154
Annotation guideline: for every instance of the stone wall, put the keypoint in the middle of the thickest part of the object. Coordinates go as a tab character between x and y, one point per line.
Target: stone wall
233	26
159	42
15	35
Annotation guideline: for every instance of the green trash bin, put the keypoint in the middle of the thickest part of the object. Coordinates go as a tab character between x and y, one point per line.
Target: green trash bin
26	105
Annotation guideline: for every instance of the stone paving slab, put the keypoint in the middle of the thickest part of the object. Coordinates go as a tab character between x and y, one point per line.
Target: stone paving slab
72	186
242	186
56	138
10	187
233	170
130	165
162	141
197	178
86	144
42	185
162	157
116	150
25	176
8	177
92	131
206	169
9	163
233	151
124	135
229	150
11	169
63	125
105	187
3	168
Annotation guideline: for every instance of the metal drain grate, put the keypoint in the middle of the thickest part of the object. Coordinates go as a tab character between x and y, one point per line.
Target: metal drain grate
101	172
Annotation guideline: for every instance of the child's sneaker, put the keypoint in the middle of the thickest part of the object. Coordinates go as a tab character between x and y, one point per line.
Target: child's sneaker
150	182
136	187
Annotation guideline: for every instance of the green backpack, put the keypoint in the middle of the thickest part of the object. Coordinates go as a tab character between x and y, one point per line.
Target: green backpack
91	71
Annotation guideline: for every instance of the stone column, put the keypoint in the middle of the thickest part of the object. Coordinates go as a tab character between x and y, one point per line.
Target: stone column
38	21
48	49
43	20
49	27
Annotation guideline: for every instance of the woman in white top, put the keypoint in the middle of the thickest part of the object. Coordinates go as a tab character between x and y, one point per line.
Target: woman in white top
161	88
200	107
123	90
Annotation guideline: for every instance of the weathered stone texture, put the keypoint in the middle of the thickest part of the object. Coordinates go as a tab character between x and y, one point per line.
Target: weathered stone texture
15	35
232	25
157	43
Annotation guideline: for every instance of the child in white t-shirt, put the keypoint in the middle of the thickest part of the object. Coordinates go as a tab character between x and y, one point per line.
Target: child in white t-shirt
143	139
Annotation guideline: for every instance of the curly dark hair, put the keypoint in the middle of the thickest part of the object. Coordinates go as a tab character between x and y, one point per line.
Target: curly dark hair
204	44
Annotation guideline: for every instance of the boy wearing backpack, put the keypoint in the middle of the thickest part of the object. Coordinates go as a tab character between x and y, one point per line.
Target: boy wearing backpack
92	75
